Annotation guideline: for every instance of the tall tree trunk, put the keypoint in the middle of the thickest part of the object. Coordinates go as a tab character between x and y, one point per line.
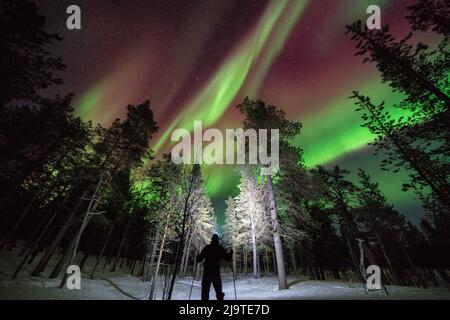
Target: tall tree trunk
188	250
93	203
302	263
40	243
388	260
282	281
177	264
258	264
122	261
51	249
8	241
293	261
197	274
133	265
183	257
121	245
274	262
66	254
266	264
100	255
413	267
353	258
254	254
234	261
110	254
34	244
150	257
158	262
38	229
196	265
73	248
88	251
245	262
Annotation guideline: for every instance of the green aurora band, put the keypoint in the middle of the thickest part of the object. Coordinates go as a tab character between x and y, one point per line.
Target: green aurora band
329	135
219	93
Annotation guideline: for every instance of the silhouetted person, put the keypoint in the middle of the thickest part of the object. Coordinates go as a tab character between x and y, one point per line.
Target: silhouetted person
213	253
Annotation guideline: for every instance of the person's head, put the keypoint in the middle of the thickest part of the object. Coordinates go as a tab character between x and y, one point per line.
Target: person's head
215	239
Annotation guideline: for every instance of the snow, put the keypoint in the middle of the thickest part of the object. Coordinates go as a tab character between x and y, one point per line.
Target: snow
120	286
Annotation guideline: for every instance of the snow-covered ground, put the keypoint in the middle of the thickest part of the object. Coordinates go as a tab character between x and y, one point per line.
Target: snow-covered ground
121	286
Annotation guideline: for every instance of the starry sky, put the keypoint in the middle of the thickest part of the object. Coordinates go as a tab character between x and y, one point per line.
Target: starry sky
197	59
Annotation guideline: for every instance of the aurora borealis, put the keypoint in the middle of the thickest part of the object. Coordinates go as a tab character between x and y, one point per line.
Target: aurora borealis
195	60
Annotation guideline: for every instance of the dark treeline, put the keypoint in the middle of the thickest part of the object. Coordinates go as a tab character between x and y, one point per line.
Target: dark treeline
72	192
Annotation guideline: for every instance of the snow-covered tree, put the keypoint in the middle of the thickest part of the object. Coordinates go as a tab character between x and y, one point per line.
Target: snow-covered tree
200	227
251	209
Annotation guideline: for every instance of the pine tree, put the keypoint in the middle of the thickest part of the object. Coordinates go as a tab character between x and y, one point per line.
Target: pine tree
27	66
162	186
430	14
258	115
381	222
419	142
400	153
339	192
403	66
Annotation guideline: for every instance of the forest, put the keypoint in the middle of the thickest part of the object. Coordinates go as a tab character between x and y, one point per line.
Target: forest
72	190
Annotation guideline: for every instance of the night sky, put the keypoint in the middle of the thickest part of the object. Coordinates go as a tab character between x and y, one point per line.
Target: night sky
195	60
